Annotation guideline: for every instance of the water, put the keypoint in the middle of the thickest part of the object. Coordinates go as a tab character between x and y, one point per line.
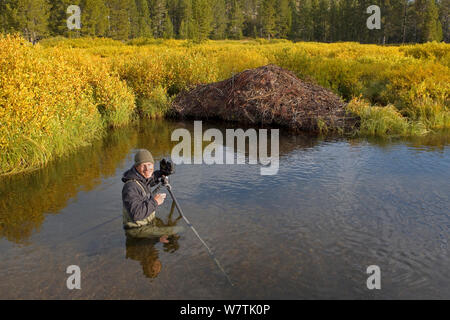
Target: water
336	207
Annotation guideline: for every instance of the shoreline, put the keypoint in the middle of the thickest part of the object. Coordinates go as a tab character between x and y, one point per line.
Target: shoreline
69	96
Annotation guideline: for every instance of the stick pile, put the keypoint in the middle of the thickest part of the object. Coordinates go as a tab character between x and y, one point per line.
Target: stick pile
266	95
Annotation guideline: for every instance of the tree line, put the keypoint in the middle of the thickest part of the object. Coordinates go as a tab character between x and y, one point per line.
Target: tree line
402	21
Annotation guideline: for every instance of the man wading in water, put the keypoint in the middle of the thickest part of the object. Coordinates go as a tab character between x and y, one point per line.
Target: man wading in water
139	205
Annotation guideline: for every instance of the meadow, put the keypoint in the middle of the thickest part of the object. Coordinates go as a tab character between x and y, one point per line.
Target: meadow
62	93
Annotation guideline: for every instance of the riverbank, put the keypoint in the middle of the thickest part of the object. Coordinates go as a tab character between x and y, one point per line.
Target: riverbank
64	93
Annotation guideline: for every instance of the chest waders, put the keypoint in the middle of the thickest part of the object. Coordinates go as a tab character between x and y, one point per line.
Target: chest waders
146	228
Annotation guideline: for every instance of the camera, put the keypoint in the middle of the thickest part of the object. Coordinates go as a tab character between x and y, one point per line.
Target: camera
166	167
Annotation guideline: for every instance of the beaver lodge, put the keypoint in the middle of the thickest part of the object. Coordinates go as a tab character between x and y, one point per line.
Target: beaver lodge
266	95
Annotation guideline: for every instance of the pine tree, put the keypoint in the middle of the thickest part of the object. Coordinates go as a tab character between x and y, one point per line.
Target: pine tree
168	32
295	25
144	21
268	18
159	13
94	18
31	18
236	21
187	26
305	20
444	16
219	25
174	10
363	33
119	26
319	15
7	15
283	20
202	16
133	18
250	12
57	22
432	28
333	21
419	17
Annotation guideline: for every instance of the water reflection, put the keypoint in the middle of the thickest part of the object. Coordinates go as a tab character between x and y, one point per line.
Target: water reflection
142	247
336	206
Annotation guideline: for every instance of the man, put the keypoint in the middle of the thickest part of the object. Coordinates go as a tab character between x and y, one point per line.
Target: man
139	205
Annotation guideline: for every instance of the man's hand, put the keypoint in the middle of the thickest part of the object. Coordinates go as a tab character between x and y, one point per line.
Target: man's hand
164	239
160	198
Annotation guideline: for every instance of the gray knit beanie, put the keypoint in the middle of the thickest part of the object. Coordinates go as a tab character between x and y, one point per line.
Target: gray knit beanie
142	156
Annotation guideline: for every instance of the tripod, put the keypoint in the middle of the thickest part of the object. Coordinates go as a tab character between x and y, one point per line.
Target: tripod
164	181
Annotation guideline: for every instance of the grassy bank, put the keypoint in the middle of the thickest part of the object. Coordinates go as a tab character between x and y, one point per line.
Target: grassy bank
63	93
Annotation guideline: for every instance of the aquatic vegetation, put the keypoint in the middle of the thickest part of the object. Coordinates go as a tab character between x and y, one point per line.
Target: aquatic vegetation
383	121
63	93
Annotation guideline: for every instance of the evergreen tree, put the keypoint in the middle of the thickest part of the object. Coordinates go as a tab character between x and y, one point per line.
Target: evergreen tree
168	32
419	17
333	20
236	21
159	13
133	18
202	16
347	17
319	16
268	18
444	16
8	12
144	21
305	19
432	28
283	20
174	10
57	23
187	25
364	34
295	25
94	18
219	25
119	26
31	18
250	11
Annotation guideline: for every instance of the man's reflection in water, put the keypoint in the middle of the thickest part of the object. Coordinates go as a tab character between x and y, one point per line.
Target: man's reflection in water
140	243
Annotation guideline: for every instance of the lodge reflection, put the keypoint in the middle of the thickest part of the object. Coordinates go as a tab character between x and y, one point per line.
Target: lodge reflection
144	249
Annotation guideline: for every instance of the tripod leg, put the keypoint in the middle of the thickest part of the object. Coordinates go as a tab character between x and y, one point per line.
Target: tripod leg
169	188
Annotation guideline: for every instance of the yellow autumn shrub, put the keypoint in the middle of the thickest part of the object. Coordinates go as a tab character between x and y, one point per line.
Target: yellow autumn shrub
50	101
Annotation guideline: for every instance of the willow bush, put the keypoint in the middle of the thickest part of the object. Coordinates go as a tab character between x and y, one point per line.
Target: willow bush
53	101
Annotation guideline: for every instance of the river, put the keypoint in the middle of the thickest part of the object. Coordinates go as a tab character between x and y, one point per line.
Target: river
336	207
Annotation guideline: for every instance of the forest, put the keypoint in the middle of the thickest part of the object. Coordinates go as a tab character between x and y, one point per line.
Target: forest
402	21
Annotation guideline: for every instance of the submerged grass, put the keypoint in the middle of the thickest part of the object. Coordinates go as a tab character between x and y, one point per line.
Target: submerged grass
63	93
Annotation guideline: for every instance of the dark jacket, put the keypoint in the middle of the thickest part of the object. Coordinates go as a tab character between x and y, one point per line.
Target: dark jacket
138	204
